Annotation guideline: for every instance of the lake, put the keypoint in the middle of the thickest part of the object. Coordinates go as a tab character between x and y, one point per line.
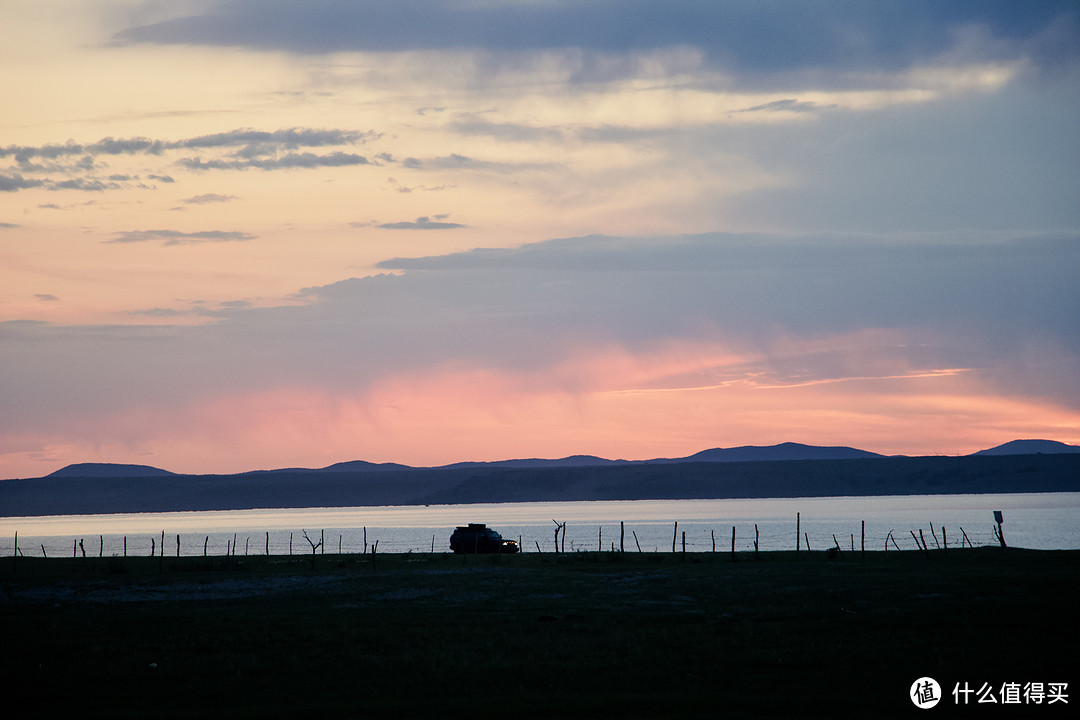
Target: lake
1045	521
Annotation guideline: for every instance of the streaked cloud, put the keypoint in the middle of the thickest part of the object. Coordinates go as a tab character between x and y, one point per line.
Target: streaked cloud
236	150
84	184
14	183
207	199
788	105
267	141
422	223
289	160
457	161
176	237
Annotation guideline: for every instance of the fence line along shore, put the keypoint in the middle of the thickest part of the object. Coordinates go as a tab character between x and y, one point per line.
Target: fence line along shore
165	544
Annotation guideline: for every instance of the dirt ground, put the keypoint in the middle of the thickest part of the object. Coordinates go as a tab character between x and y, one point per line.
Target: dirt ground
576	635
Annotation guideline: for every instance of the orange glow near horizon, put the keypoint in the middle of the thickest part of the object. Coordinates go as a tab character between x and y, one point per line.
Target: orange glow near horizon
458	414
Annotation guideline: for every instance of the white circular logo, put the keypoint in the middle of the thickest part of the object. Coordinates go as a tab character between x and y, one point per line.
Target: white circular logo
925	693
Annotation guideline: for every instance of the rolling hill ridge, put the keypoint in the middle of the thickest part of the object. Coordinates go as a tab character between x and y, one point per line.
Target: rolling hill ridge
788	470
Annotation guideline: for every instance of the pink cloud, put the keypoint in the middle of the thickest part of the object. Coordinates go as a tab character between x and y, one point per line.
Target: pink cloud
671	400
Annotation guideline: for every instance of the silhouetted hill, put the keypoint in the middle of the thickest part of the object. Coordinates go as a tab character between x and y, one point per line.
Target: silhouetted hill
783	451
1031	447
570	461
359	465
745	453
60	495
115	470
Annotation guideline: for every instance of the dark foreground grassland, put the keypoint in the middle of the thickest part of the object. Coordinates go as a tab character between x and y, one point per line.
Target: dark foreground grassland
575	635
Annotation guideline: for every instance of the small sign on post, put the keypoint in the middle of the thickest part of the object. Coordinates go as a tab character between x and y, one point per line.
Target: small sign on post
999	519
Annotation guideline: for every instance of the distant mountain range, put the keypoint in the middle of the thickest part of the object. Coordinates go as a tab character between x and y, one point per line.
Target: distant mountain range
786	470
745	453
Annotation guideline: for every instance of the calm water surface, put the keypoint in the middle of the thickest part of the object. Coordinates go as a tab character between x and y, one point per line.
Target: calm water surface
1044	521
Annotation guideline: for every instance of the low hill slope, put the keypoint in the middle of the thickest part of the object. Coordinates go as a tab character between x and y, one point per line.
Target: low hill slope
108	470
1031	447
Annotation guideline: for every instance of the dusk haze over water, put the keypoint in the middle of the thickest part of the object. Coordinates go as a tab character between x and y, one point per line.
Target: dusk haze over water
252	234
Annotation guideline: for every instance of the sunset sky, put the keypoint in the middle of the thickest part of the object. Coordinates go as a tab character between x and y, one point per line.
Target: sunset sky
241	234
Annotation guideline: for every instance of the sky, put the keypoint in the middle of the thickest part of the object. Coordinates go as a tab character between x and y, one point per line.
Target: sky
243	234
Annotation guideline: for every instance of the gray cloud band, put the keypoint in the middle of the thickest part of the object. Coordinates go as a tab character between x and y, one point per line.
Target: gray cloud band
752	38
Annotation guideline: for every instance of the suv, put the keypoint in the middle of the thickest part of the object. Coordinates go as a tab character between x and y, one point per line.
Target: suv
479	538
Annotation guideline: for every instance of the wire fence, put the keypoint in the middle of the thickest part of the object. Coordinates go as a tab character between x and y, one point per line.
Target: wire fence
798	534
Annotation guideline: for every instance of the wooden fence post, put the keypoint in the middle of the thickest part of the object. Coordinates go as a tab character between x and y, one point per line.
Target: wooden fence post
798	518
675	536
921	546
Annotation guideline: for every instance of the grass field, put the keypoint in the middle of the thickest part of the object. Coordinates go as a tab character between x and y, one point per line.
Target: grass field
574	635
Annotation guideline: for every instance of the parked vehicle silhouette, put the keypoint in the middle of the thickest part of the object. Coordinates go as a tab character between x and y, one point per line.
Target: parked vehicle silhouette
479	538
